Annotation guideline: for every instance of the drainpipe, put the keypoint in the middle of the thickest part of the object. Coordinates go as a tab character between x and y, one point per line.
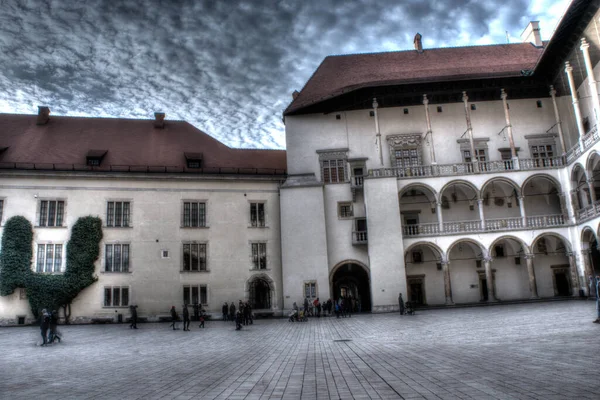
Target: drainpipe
474	160
429	131
377	133
511	142
569	71
558	123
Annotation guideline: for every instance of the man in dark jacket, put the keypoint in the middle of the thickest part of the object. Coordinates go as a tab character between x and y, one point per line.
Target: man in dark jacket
133	317
401	304
173	318
232	312
225	311
53	327
44	324
186	318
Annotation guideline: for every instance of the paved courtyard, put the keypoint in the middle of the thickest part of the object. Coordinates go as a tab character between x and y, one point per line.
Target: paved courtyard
527	351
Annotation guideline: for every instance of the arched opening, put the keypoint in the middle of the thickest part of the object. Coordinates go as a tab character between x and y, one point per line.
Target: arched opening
260	292
418	208
460	208
593	170
512	277
580	187
501	204
543	205
351	281
424	274
467	272
591	258
552	266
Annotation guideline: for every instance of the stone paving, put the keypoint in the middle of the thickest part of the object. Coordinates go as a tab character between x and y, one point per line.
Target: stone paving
526	351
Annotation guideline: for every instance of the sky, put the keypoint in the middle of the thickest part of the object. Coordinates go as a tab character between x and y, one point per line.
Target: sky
227	67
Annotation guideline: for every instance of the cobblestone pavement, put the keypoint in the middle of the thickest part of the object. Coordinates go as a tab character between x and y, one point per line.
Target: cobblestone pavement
527	351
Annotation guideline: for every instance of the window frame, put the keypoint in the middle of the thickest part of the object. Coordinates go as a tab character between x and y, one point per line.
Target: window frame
44	206
337	173
343	204
43	255
2	204
123	269
201	250
190	297
255	206
112	290
312	288
111	219
259	259
201	214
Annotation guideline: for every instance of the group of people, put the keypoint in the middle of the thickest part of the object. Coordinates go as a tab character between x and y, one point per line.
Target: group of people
342	307
198	312
242	315
48	327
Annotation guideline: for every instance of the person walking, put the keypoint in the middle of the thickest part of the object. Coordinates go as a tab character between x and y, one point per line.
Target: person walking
238	320
44	324
173	318
597	321
225	311
186	318
53	327
202	318
401	304
232	311
133	324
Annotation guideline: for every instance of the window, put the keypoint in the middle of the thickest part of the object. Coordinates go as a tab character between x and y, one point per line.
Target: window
480	155
118	214
477	263
194	214
195	294
51	212
259	255
345	210
499	249
406	111
164	253
194	257
542	154
417	257
334	171
49	258
473	107
407	157
439	109
116	296
257	214
116	258
310	289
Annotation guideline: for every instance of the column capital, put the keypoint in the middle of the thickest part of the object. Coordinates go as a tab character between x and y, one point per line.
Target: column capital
552	91
479	201
444	262
568	68
529	256
375	104
465	98
521	197
503	94
584	44
425	100
590	181
570	254
487	259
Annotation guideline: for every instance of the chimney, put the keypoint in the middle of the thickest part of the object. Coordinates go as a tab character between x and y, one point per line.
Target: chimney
417	42
295	94
159	120
43	115
532	34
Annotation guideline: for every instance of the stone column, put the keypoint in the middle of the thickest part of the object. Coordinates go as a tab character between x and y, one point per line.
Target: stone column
574	274
522	208
585	48
440	218
567	212
576	109
474	160
447	283
489	277
531	272
481	216
511	142
590	184
429	131
377	133
587	268
558	123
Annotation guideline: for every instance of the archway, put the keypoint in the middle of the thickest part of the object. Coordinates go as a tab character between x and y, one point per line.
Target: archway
501	204
351	280
424	274
467	272
460	207
508	255
553	270
543	204
593	172
260	293
580	187
591	257
418	206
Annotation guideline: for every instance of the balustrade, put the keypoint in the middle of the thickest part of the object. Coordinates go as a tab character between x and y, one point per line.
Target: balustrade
462	226
427	229
357	181
588	212
499	224
545	221
359	237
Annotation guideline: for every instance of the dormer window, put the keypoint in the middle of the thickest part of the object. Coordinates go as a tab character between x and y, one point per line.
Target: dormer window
94	157
193	160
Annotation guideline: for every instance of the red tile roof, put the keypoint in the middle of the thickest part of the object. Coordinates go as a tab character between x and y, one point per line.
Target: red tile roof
340	74
68	140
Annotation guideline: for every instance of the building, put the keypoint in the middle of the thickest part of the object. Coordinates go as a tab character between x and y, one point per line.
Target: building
452	176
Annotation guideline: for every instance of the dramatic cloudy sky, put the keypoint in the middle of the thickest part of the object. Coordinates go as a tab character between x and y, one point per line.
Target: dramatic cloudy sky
227	67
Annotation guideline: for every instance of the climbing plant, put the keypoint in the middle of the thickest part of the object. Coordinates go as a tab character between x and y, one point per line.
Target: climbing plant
52	291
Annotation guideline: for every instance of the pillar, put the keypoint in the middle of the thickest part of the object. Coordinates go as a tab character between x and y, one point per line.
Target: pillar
576	109
568	212
511	142
574	274
447	283
489	277
558	122
585	49
429	131
440	218
474	160
587	270
531	273
590	184
377	133
481	216
522	208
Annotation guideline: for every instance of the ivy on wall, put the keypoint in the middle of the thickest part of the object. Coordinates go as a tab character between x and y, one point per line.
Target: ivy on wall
45	290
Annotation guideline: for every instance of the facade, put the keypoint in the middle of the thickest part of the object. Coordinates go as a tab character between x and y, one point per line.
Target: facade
453	176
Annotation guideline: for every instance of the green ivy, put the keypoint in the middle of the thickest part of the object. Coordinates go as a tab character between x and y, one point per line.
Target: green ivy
50	291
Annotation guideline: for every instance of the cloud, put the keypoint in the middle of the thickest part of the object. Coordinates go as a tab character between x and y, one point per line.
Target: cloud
228	68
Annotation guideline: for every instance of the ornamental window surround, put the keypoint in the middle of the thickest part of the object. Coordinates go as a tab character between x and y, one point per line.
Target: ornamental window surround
333	164
481	149
542	148
406	150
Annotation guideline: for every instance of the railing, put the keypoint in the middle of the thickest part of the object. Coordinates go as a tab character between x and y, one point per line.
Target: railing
500	224
525	164
588	140
491	225
357	181
359	237
588	212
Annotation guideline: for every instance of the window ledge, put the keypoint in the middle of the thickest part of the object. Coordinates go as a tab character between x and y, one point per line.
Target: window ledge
194	227
115	272
49	273
52	227
117	227
348	218
259	269
258	227
193	272
335	183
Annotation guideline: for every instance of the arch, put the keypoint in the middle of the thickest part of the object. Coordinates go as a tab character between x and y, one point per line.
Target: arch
461	182
526	248
508	181
264	283
430	244
542	176
468	240
567	243
589	164
337	266
351	283
574	172
587	230
418	185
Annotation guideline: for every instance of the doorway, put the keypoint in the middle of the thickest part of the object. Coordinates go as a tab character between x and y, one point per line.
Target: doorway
416	290
260	294
561	282
352	281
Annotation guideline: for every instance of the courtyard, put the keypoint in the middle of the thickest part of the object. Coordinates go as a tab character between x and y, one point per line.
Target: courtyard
525	351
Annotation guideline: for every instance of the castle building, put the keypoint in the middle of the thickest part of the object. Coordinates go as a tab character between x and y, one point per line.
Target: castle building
450	175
